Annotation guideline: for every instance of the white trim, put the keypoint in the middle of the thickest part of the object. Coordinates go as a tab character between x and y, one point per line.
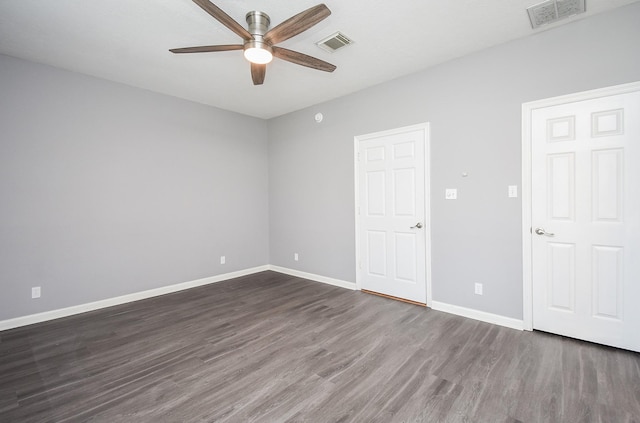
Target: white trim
527	110
426	127
109	302
314	277
427	210
478	315
83	308
356	184
527	283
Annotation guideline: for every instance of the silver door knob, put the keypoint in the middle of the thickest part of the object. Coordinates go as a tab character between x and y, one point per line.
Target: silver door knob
418	225
541	231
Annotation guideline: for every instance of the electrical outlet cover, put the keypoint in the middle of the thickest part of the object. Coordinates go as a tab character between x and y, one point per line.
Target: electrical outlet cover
35	292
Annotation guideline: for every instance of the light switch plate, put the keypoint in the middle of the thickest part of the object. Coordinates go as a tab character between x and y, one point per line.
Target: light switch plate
513	191
450	194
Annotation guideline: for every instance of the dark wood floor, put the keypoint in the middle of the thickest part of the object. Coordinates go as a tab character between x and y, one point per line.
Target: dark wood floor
275	348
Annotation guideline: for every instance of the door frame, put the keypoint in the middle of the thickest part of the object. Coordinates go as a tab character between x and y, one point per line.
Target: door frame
425	127
527	237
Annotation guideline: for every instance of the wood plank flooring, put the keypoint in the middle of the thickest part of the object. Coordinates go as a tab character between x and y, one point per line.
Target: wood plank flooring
275	348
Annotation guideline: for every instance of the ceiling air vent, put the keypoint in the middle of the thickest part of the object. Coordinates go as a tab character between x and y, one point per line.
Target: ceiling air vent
334	42
554	10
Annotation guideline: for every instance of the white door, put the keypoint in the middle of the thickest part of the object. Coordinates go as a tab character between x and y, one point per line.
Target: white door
585	219
392	212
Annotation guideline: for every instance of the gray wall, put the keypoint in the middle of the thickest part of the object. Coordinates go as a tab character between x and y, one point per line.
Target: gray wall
107	190
474	106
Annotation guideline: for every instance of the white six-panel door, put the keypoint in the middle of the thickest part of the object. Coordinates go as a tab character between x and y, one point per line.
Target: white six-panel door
392	214
585	215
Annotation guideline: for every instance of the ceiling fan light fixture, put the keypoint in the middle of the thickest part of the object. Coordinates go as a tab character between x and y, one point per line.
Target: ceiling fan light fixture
258	52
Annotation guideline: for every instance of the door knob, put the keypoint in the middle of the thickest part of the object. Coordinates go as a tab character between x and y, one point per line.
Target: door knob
541	231
418	225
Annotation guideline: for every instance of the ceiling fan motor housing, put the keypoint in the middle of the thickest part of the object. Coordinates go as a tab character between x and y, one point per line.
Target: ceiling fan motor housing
258	26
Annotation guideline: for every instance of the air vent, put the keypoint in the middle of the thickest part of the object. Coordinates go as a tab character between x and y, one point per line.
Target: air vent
334	42
554	10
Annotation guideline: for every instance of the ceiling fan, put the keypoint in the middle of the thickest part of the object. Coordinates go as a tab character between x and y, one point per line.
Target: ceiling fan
260	42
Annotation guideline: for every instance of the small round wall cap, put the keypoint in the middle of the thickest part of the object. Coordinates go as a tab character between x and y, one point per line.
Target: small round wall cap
318	117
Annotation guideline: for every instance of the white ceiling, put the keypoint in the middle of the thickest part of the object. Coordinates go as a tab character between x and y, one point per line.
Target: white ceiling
128	41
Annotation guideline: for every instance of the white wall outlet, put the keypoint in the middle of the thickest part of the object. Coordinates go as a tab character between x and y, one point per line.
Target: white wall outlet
295	256
35	292
223	259
513	191
450	194
478	289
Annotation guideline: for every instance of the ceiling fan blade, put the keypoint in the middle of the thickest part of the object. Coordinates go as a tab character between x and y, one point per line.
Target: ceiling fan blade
297	24
302	59
257	73
223	18
207	49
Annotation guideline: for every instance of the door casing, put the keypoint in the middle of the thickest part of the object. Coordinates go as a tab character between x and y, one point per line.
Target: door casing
527	237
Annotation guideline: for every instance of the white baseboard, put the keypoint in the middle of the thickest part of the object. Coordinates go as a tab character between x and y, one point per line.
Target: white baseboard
314	277
96	305
478	315
136	296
